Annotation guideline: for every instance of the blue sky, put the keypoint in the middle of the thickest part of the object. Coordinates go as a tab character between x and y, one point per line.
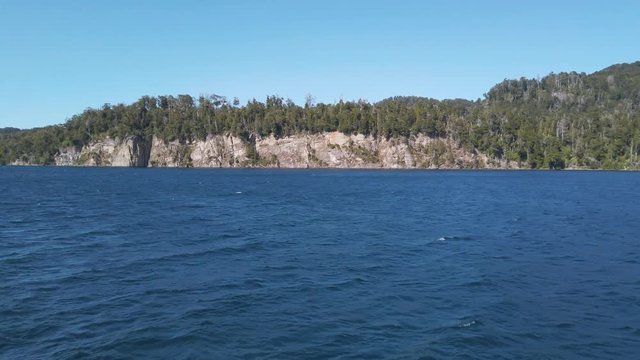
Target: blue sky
59	57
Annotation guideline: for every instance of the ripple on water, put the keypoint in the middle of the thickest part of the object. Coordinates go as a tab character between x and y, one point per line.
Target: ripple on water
141	263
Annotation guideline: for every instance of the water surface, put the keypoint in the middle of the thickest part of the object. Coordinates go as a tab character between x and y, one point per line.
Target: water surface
190	264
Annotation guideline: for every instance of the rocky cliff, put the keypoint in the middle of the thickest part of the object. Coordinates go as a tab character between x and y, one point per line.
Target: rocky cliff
331	150
132	151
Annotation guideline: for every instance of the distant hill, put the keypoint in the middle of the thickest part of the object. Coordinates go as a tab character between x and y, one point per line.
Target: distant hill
9	131
562	120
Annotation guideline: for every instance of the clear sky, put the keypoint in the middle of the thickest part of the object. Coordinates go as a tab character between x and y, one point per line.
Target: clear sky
59	57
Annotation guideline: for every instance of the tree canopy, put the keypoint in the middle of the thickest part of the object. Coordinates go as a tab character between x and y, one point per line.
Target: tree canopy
565	119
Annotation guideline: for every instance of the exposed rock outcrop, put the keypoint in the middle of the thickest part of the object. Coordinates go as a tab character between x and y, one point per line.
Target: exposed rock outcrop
334	150
130	152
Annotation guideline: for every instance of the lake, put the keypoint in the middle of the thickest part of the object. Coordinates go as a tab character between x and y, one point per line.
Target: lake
315	264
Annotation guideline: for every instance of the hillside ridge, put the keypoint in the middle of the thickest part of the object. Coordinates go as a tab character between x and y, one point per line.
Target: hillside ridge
562	120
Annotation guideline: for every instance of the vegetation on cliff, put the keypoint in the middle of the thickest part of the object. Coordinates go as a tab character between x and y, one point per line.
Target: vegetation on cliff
567	119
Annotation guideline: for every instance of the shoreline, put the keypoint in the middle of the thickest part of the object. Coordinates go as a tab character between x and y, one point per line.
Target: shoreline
327	168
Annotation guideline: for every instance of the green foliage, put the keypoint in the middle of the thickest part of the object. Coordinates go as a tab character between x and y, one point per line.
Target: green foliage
562	120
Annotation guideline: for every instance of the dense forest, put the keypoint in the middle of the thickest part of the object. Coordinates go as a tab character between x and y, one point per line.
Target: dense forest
561	120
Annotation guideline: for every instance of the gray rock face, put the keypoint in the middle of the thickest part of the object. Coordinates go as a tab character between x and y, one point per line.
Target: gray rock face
133	151
333	150
338	150
215	151
68	156
130	152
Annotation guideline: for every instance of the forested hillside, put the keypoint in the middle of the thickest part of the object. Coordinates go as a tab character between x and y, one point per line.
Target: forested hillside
562	120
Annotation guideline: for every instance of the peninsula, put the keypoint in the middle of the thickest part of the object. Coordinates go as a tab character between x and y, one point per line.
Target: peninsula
564	120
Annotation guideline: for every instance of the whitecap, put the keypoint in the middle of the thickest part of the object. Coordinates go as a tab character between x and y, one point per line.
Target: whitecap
444	238
467	324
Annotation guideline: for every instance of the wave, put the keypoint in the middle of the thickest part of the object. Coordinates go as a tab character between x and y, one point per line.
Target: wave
467	324
453	237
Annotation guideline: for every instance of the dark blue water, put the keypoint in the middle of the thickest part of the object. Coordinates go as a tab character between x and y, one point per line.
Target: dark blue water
206	264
